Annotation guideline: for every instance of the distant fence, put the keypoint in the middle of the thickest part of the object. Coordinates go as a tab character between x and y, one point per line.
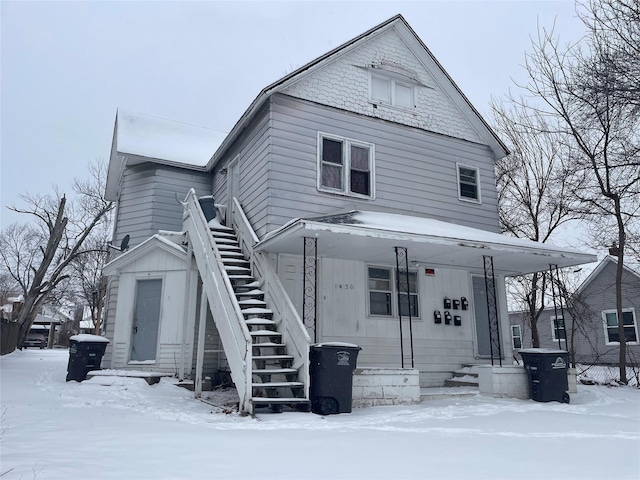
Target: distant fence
8	335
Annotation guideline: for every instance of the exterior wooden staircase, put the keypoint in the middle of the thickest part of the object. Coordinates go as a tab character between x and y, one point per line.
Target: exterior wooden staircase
274	382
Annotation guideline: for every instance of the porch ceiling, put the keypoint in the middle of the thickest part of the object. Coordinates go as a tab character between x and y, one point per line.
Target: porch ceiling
372	236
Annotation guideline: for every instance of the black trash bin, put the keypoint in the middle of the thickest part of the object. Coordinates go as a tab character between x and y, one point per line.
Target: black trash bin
85	354
547	371
208	207
331	374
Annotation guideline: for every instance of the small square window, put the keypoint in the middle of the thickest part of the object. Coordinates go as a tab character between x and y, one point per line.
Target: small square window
390	91
610	318
383	292
468	186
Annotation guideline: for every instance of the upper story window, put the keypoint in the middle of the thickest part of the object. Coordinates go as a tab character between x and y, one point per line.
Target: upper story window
468	183
558	330
610	318
345	166
391	91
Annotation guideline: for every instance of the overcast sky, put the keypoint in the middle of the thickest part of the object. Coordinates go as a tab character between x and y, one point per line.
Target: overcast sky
67	66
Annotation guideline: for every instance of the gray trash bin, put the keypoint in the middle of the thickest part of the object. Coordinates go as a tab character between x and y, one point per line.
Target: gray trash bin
331	367
85	354
208	207
547	371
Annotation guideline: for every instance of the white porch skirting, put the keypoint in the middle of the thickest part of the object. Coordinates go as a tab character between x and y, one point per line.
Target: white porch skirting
511	381
385	386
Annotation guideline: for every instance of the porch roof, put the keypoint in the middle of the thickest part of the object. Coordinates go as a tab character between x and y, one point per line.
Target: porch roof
372	236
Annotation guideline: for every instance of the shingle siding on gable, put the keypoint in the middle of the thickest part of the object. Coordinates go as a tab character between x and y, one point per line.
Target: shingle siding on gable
344	84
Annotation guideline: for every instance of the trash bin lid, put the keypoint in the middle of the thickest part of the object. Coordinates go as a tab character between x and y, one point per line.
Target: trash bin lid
542	350
86	337
336	344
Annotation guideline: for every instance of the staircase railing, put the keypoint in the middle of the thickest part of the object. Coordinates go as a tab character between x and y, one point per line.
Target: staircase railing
227	316
294	333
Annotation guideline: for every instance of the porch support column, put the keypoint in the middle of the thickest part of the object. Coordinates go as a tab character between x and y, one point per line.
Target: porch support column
402	272
492	310
310	285
186	313
202	329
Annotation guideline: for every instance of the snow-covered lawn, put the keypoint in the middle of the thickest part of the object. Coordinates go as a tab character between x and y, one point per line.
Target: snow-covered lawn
123	428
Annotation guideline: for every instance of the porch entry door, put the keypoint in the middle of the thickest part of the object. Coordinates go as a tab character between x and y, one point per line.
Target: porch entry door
146	320
482	316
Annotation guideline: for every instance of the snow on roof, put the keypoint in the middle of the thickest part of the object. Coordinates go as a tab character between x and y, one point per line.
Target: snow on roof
155	137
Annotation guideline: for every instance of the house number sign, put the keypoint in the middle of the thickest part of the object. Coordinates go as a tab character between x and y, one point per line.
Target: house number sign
343	286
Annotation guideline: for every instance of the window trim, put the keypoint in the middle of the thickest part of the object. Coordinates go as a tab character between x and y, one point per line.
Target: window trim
554	337
346	175
459	183
513	337
393	80
395	307
606	330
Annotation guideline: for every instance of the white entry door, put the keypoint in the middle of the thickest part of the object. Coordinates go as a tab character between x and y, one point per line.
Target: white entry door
146	320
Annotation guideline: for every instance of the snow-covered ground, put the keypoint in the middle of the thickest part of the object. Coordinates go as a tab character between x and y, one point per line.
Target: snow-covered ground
123	428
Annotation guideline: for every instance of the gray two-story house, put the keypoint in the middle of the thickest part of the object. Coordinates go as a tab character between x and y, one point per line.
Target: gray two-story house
354	201
588	327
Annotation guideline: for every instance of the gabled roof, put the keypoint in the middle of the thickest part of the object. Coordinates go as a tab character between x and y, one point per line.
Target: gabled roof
419	48
596	271
139	251
139	138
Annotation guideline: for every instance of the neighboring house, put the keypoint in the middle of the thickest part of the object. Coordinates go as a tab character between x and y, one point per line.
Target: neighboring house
595	333
355	202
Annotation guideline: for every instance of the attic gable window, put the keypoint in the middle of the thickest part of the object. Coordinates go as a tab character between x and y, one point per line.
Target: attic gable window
345	166
388	90
468	183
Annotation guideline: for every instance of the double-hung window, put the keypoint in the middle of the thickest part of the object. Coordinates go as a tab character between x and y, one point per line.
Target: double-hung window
345	166
383	292
391	91
630	325
558	330
468	183
516	336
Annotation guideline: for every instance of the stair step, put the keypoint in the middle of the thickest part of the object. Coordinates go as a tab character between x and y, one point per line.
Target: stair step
235	261
278	385
231	253
217	233
265	333
255	311
226	241
255	292
269	345
266	358
236	269
257	321
253	302
220	227
240	277
229	248
274	371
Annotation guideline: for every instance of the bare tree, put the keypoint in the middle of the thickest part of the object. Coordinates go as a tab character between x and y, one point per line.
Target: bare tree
532	193
38	255
586	90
